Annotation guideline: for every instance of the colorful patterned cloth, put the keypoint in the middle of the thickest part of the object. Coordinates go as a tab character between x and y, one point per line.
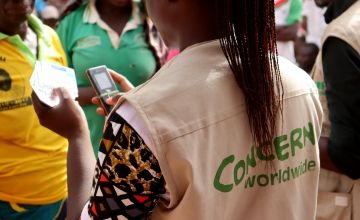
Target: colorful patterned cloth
128	181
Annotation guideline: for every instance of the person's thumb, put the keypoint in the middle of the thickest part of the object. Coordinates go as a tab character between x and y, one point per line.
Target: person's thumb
62	93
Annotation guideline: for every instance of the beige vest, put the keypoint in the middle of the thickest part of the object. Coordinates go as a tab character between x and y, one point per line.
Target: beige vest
196	118
346	27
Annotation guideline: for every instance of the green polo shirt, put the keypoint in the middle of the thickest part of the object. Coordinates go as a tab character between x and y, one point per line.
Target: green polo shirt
89	42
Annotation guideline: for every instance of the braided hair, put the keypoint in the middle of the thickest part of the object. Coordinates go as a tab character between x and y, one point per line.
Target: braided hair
248	40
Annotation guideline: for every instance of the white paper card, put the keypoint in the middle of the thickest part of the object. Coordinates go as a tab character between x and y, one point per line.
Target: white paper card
48	76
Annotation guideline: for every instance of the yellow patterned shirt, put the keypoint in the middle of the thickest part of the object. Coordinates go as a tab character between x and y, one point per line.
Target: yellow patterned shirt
32	158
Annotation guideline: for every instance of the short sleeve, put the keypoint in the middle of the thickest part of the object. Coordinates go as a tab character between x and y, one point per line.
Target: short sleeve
128	181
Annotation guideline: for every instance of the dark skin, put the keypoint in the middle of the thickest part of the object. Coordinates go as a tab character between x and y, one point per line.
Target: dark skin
52	22
322	3
325	160
13	16
172	18
116	14
287	33
173	22
306	56
73	126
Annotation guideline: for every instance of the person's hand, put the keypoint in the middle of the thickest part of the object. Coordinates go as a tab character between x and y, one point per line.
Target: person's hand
66	119
124	84
287	33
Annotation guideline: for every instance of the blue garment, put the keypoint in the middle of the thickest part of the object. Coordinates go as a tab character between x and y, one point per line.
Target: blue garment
13	211
39	6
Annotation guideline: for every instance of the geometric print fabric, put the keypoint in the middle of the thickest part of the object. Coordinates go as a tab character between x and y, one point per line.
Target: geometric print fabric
127	182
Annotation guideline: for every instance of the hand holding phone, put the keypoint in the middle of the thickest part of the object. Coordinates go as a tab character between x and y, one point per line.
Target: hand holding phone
103	84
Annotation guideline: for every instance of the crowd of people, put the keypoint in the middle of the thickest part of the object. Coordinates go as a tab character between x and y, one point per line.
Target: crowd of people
227	110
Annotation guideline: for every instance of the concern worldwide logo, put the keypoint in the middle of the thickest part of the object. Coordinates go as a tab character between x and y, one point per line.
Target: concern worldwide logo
286	146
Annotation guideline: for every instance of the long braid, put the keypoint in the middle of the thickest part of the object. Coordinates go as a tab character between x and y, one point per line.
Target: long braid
247	38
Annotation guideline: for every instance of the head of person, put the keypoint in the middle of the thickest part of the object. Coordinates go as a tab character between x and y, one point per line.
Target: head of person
50	15
77	3
246	30
322	3
306	56
14	13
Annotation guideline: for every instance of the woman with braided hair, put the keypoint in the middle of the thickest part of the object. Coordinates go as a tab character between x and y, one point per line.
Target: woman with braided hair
225	130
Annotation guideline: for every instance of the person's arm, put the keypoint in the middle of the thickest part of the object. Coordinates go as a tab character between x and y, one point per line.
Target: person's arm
68	120
287	33
127	171
80	169
341	65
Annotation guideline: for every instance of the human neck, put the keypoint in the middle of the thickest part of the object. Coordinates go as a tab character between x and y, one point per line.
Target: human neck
188	41
11	30
201	31
106	9
115	17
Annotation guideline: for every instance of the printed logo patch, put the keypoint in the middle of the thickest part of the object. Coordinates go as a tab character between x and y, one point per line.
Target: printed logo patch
5	80
89	41
12	91
286	146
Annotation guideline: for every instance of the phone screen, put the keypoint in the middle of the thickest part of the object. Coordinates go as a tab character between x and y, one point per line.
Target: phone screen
103	81
103	84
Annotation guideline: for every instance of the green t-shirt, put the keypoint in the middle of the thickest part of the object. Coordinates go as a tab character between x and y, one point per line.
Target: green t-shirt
86	45
288	12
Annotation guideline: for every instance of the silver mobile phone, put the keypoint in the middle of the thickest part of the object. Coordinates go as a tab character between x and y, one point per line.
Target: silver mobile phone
103	84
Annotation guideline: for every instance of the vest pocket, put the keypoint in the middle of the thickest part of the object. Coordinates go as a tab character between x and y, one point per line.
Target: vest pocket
334	206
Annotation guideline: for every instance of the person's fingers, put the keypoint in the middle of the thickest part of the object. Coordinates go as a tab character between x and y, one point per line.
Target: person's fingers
36	103
62	93
124	83
42	111
100	111
34	98
113	100
96	101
